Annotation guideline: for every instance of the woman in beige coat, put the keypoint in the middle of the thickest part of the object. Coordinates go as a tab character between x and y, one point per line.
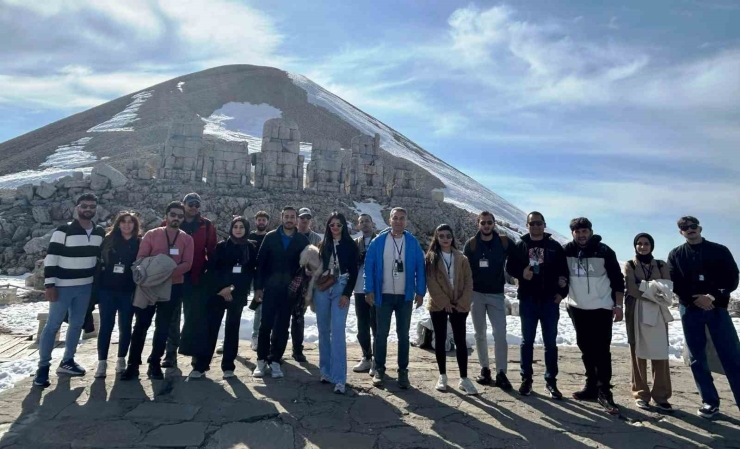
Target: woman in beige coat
450	284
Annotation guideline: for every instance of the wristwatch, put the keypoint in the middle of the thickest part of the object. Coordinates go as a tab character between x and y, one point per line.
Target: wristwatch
618	306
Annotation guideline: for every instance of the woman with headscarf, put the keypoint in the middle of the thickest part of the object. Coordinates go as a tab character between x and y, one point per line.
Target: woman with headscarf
232	269
644	267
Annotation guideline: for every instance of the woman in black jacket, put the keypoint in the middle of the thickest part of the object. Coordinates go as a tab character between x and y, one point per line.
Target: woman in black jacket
232	269
116	287
340	259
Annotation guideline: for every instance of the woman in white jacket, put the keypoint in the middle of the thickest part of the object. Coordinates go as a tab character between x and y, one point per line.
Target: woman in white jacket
647	337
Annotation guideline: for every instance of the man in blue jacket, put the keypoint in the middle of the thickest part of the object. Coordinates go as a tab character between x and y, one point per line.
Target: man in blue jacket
394	278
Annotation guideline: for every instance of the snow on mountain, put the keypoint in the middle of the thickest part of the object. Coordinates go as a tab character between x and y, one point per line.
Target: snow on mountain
120	121
64	161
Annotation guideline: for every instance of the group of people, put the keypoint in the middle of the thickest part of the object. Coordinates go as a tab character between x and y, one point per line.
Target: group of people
181	265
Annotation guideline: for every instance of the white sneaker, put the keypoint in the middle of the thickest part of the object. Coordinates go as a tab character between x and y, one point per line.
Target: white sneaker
441	383
261	369
102	367
220	349
121	365
254	343
339	388
467	386
229	374
364	366
277	373
372	369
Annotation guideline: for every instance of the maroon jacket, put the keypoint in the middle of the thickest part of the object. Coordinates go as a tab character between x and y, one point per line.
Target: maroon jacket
204	243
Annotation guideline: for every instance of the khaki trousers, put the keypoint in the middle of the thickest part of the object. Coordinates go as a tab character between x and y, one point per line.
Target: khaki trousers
661	391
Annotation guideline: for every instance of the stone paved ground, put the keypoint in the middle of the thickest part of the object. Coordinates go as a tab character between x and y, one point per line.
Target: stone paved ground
300	412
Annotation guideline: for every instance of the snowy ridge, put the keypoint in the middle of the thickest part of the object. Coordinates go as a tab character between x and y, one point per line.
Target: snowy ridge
126	117
62	162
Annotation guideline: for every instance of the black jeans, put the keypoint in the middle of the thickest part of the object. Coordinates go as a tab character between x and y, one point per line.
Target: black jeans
194	304
273	339
163	311
594	338
297	326
217	307
457	320
366	322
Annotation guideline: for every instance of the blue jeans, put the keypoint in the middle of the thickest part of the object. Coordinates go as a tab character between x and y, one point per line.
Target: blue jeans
383	313
546	312
69	299
110	302
332	321
725	340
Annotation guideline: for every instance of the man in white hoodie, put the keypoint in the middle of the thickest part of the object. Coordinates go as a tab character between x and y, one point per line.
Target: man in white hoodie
595	299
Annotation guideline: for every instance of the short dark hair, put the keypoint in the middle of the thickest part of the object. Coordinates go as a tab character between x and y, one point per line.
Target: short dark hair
86	197
534	212
287	208
687	219
262	214
175	205
364	215
485	213
580	223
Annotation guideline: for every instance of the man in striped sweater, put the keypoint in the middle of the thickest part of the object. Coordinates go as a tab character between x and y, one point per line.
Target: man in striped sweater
69	269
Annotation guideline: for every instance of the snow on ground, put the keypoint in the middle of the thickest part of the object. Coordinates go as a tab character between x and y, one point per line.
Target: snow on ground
240	122
372	208
120	121
179	85
63	162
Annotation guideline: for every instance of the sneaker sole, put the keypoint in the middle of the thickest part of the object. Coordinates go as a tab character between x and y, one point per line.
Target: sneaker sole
42	385
100	376
277	376
70	373
525	394
444	389
705	416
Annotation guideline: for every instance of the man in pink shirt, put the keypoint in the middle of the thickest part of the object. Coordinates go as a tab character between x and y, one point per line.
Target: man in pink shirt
178	245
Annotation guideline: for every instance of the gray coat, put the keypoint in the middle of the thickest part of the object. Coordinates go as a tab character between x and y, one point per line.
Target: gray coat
153	278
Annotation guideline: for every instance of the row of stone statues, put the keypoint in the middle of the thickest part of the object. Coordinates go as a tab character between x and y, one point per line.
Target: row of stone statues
188	156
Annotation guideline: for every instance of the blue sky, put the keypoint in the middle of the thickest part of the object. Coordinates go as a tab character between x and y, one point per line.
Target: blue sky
627	113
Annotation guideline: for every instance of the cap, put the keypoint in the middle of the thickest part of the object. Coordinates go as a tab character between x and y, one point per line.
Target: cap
191	197
305	211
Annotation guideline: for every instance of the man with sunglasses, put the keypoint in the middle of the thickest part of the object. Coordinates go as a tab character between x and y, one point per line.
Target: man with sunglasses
538	262
172	241
193	300
704	275
595	298
487	253
69	269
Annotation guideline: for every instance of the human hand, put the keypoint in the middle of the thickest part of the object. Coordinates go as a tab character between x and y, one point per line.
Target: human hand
225	293
618	314
370	299
50	294
558	299
448	308
528	273
562	282
419	301
343	302
257	296
703	302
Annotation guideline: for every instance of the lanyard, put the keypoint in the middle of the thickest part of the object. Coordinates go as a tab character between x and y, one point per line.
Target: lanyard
648	272
448	265
334	253
399	251
170	245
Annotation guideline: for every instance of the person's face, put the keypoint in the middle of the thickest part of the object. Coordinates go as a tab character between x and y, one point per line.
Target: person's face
365	224
582	235
536	226
643	246
690	231
288	217
174	218
335	226
486	225
127	226
86	209
304	223
238	230
398	222
261	223
445	240
192	208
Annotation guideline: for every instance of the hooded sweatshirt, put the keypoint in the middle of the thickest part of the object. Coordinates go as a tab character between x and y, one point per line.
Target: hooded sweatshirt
595	275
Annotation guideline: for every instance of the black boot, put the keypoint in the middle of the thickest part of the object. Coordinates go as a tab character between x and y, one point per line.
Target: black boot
588	393
131	372
155	372
299	357
485	377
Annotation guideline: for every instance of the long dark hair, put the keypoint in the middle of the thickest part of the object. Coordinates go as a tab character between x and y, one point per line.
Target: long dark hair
433	255
114	236
328	238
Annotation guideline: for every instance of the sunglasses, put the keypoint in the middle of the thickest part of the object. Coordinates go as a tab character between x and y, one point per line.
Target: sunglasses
194	205
536	223
336	225
444	236
174	215
692	226
486	223
87	207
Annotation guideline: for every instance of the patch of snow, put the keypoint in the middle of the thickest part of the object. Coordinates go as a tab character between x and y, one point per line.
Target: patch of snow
70	156
14	281
63	162
179	85
372	208
240	122
120	121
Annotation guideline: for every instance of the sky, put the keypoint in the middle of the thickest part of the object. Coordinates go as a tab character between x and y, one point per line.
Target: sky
627	113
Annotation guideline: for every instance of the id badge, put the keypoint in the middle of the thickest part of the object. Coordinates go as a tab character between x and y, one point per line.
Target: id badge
237	269
483	263
174	251
119	268
399	266
395	274
701	278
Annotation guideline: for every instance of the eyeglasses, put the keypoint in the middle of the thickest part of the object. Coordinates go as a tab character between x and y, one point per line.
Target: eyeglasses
486	223
87	207
692	226
194	205
444	237
336	225
536	223
174	215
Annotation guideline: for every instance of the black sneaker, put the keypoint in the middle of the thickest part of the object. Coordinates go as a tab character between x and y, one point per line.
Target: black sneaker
70	367
587	393
403	379
707	411
606	400
299	357
155	372
525	389
552	389
502	382
170	360
131	373
664	406
42	377
485	377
